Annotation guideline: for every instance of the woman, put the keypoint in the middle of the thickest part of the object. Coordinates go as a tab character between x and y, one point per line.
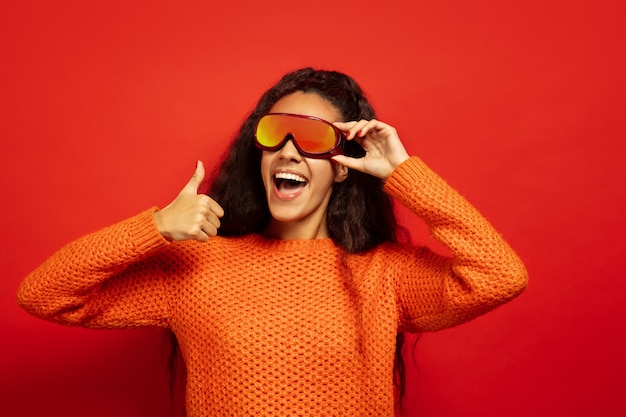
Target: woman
286	288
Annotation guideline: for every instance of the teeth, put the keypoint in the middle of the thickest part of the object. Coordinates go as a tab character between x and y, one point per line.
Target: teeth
289	176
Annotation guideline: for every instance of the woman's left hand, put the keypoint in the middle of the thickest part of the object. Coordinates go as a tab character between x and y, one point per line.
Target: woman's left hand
383	149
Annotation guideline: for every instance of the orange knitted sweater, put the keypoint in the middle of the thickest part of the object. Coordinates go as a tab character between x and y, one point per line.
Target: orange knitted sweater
285	328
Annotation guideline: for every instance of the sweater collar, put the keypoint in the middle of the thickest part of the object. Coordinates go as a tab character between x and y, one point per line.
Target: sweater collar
279	245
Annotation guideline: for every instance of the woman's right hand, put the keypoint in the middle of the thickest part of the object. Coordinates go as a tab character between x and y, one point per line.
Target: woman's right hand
191	216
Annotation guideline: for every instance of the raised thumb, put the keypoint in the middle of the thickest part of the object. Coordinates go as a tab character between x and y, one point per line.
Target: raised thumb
194	183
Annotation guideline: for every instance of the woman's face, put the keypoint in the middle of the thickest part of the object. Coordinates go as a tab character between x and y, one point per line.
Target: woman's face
297	188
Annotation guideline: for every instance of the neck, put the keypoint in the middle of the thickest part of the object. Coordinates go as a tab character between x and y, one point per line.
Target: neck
296	230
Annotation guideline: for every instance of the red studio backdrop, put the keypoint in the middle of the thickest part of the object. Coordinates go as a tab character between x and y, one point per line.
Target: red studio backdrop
106	106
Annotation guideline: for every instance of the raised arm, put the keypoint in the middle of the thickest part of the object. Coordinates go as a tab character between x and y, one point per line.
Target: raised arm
434	291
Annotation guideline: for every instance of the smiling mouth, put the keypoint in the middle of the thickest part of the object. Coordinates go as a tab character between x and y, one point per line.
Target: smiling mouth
286	180
289	183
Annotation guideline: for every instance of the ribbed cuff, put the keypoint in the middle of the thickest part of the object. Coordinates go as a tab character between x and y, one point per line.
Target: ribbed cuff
143	232
407	176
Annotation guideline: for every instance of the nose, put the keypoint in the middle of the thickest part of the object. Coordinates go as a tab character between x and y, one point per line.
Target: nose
289	150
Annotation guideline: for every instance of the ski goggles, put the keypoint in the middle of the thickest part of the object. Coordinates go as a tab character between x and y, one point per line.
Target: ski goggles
312	136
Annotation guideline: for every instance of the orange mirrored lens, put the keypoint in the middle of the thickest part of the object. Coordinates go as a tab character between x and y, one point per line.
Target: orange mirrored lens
311	135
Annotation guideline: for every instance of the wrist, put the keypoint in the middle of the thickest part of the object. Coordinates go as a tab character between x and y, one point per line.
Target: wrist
395	163
158	221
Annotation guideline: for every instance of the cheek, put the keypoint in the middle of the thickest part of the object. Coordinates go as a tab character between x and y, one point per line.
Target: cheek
265	168
323	171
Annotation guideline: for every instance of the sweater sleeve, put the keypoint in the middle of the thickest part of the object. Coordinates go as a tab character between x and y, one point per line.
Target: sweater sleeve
104	279
434	291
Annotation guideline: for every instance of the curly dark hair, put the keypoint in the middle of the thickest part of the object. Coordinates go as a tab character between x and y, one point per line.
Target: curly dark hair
359	215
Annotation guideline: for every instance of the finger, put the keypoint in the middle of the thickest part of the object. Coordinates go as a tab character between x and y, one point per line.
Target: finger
207	205
357	131
352	163
209	213
201	236
216	208
209	230
195	232
213	220
365	128
377	129
203	230
345	127
351	131
194	183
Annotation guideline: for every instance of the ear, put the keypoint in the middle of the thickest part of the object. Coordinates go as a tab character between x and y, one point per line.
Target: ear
341	172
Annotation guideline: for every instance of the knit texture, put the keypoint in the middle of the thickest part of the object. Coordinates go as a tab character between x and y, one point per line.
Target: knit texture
285	328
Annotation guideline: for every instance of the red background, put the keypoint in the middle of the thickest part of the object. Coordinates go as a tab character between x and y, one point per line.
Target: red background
520	105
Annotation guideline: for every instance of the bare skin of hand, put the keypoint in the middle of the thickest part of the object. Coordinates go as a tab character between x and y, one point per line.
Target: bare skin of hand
191	216
384	150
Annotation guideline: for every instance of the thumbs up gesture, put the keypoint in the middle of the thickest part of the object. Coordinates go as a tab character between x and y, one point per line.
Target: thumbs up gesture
190	215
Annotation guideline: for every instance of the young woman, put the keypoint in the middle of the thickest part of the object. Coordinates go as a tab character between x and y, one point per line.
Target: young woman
286	288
